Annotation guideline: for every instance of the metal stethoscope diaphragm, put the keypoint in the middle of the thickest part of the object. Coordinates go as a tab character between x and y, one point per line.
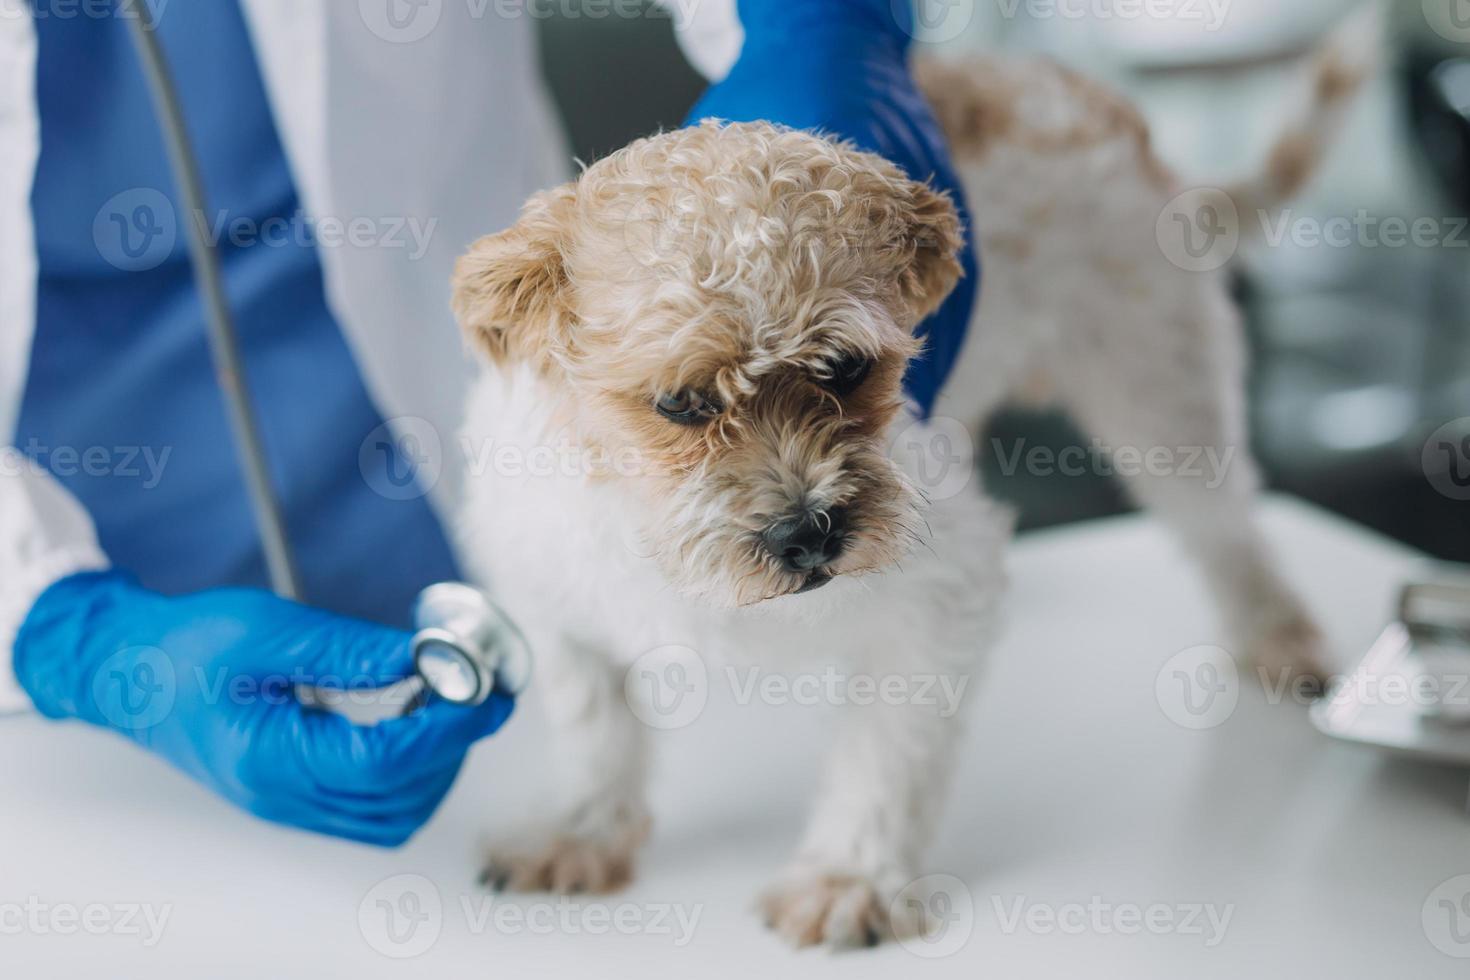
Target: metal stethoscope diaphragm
465	648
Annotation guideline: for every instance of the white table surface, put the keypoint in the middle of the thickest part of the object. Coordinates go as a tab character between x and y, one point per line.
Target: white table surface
1074	784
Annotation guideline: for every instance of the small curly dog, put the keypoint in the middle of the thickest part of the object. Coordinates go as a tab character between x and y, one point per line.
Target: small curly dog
710	328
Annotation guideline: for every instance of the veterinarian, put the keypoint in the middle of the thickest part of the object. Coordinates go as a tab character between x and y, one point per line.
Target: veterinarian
351	151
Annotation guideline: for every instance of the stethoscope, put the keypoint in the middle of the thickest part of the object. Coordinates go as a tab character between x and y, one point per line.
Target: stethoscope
464	647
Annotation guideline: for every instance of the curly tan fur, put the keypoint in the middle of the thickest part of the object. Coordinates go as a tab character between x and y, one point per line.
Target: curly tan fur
742	262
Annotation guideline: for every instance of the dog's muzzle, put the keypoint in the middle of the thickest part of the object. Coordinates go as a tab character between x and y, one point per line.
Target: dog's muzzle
808	543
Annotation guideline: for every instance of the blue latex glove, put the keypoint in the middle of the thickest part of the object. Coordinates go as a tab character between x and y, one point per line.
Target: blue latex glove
207	681
840	67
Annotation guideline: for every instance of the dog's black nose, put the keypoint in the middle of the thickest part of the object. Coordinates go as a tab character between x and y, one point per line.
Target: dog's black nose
808	541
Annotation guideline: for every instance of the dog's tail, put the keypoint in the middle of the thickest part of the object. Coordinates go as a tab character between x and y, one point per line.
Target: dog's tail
1342	64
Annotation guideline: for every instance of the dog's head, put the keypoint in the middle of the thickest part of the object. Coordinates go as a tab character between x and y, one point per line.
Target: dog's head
735	305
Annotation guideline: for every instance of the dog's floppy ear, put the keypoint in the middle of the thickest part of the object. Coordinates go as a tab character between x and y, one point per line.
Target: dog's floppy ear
510	289
937	239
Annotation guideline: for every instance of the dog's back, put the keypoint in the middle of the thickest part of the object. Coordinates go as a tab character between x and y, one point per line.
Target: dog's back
1073	206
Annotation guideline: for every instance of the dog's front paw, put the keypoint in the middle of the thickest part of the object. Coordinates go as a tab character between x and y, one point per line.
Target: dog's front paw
1292	650
837	910
567	864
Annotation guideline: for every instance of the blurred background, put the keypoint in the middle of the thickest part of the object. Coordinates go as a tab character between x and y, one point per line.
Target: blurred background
1361	351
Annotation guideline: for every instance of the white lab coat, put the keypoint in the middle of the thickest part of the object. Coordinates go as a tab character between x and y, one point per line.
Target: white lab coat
455	127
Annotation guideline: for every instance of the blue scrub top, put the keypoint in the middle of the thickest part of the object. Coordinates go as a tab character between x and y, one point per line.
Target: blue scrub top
121	403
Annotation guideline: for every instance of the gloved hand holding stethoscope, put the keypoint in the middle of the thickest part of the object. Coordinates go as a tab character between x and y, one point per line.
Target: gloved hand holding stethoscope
209	681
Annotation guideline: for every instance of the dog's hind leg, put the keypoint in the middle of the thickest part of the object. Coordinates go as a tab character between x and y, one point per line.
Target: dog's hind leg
600	749
1164	395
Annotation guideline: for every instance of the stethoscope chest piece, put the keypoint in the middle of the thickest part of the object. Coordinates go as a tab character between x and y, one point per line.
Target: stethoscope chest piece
465	648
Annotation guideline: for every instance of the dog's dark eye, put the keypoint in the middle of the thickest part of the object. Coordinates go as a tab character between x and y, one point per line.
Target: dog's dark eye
848	374
687	408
